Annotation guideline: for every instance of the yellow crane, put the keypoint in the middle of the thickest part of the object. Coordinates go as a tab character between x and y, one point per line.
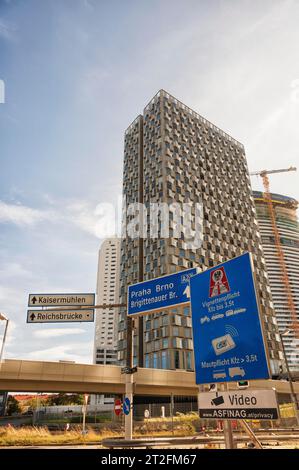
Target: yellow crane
280	254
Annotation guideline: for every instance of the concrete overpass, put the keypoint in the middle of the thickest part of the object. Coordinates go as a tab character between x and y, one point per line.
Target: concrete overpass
41	376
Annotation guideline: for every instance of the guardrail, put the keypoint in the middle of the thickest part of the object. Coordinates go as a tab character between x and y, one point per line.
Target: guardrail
149	443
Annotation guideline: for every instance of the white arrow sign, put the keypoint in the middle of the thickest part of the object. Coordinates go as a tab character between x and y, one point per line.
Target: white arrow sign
60	316
187	292
59	300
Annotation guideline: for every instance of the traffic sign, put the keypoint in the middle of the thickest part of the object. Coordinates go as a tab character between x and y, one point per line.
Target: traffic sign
161	292
61	300
227	334
118	406
249	404
126	406
60	316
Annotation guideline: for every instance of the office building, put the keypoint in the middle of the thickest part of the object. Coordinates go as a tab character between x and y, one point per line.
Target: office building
105	340
172	154
287	225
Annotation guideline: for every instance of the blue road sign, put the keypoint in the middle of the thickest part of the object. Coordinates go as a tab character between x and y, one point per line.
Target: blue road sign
161	292
227	334
126	406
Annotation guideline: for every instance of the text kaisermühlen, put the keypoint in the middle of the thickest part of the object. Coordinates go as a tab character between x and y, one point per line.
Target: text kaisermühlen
43	299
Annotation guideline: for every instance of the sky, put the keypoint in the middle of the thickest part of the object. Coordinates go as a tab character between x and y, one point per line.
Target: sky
76	73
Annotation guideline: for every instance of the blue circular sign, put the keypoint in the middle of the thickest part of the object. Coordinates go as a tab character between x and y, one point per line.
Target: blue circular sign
126	406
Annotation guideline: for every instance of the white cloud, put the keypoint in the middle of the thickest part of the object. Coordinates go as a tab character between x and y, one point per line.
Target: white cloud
10	338
7	30
10	296
78	352
56	332
14	270
22	215
98	220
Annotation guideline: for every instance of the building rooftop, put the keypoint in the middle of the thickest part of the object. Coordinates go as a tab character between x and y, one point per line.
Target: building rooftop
279	198
190	111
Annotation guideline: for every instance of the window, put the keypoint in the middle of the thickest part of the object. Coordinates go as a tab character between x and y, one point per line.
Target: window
164	357
155	360
186	311
175	331
187	332
188	359
176	359
165	343
147	361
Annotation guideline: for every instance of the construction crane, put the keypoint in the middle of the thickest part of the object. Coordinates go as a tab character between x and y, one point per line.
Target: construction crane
280	254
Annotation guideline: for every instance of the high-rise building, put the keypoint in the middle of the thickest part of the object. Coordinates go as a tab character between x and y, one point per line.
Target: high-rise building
105	339
287	225
172	154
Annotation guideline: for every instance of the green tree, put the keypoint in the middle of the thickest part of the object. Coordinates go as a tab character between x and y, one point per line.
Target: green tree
34	403
65	399
13	406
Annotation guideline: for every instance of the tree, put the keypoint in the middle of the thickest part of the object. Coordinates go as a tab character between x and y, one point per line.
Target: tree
13	406
34	403
65	399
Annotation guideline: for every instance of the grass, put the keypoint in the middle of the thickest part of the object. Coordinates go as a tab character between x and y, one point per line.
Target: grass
74	419
30	435
27	436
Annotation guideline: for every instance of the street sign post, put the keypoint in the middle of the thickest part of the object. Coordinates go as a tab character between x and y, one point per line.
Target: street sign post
118	406
162	292
60	316
227	334
236	404
126	406
61	300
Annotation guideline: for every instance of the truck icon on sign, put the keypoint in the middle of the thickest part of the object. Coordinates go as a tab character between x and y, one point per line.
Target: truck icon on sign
236	371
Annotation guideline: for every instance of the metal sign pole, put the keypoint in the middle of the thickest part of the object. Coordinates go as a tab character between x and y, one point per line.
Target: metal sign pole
84	419
290	377
227	427
172	411
129	378
84	410
3	339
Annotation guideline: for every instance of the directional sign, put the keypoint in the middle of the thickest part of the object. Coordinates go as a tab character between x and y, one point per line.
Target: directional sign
59	300
126	406
227	334
60	316
161	292
118	406
249	404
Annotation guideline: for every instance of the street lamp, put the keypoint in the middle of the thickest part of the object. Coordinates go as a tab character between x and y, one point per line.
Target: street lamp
3	317
293	394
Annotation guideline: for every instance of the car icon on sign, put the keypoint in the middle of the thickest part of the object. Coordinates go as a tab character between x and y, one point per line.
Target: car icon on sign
236	371
219	374
204	319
